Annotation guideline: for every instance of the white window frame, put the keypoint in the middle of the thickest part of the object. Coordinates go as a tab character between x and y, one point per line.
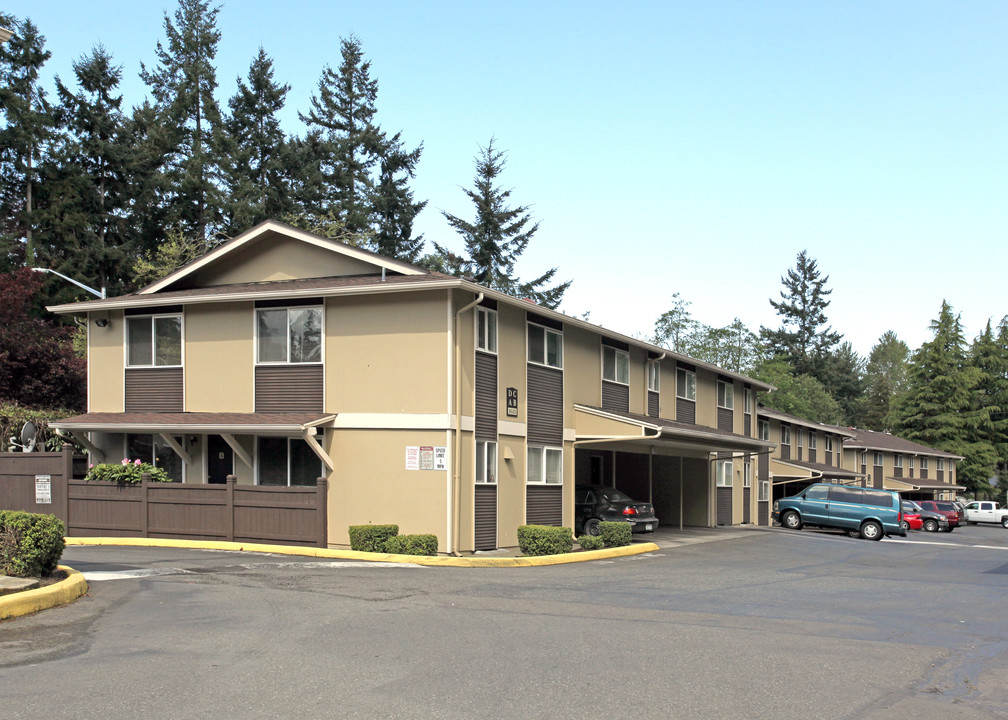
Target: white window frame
764	491
763	430
785	435
689	387
801	438
483	450
829	443
153	317
289	308
617	356
910	463
747	474
923	463
724	474
897	460
725	395
812	441
544	452
940	464
486	332
654	376
546	335
747	401
878	459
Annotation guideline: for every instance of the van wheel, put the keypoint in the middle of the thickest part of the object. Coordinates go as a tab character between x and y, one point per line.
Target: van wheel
791	520
591	527
931	525
871	530
854	533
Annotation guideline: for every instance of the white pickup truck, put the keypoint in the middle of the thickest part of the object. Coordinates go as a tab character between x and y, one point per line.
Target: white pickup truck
985	511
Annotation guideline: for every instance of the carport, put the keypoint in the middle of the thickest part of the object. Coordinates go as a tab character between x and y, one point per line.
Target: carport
668	463
921	489
790	477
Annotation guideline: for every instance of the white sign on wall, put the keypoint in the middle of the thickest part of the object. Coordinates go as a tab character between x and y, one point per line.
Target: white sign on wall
412	457
43	489
426	457
440	458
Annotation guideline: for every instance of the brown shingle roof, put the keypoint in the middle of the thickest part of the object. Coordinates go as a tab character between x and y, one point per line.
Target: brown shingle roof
872	440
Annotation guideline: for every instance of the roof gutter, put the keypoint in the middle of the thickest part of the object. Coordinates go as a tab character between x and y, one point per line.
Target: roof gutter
456	487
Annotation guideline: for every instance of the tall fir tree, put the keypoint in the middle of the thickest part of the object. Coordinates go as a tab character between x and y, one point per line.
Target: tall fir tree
83	215
842	374
394	206
28	125
497	237
885	381
257	174
183	85
989	356
804	338
343	114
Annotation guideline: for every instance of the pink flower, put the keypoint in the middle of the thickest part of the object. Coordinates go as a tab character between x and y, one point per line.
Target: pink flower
125	461
90	466
137	462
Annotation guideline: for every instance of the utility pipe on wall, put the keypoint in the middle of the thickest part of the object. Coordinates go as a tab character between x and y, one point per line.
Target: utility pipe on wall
453	521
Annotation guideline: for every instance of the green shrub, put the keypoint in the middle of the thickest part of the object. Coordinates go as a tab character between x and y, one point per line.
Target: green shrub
615	534
591	542
30	544
545	540
371	538
412	545
128	471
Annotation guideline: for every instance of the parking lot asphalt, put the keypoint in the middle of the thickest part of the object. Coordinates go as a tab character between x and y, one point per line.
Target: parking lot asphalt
767	623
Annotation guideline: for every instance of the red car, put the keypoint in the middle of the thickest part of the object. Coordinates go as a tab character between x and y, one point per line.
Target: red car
912	519
947	508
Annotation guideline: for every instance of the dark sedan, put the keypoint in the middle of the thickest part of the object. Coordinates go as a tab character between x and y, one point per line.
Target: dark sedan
593	505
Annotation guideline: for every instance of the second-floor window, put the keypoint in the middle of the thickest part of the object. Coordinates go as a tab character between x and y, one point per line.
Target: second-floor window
910	462
615	365
829	443
725	395
924	463
940	464
764	430
812	442
685	384
897	461
877	458
154	341
545	346
486	329
785	434
747	401
289	335
653	376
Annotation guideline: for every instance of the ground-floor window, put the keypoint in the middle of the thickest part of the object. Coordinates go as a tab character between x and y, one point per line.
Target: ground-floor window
724	473
747	474
764	490
545	465
154	450
486	462
287	461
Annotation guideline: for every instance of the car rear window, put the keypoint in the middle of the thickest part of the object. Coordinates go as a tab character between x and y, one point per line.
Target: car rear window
946	507
615	496
878	498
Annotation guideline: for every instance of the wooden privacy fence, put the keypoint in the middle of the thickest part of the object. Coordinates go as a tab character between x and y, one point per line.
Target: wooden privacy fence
231	512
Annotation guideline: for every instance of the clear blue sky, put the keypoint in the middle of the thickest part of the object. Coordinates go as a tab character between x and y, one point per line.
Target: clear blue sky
672	147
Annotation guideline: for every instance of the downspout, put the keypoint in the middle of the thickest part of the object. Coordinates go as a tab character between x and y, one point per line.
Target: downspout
453	524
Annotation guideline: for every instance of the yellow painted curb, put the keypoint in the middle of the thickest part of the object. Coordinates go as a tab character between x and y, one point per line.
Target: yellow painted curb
438	561
43	598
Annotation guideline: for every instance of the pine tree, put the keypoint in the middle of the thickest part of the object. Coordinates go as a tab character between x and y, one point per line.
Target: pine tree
803	338
28	125
499	235
842	374
394	207
84	199
989	404
885	381
343	114
183	86
258	171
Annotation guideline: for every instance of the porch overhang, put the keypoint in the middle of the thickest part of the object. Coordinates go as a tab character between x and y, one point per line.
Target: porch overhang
195	422
917	484
786	471
641	433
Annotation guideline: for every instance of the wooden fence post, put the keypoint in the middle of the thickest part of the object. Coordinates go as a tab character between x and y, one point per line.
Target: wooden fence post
231	480
322	511
144	482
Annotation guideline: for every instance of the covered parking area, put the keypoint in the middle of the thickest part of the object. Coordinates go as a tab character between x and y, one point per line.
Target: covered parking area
790	477
921	489
667	463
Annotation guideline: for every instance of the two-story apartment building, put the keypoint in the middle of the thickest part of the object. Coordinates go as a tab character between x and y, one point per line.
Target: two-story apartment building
888	462
424	399
807	452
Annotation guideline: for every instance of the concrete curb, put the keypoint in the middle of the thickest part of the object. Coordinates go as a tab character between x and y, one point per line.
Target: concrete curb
438	561
43	598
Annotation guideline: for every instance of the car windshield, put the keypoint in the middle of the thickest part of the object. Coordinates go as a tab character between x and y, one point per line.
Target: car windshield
611	495
910	507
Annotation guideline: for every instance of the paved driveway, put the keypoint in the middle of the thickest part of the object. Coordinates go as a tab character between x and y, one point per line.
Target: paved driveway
762	624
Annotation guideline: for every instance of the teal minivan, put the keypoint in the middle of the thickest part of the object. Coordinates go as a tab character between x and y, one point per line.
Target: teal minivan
860	511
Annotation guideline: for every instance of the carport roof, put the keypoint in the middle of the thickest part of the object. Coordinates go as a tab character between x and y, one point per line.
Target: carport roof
903	483
792	470
194	422
601	425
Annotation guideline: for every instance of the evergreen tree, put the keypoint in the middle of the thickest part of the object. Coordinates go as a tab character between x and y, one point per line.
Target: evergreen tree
499	235
885	381
257	174
803	338
394	207
343	114
28	125
183	86
989	404
84	199
842	374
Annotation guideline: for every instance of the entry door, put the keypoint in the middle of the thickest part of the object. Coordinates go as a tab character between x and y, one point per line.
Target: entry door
220	459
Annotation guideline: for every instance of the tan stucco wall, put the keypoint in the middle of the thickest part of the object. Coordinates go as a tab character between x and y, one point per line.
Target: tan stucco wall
388	354
220	357
273	257
510	490
371	484
582	370
706	398
106	363
511	363
638	381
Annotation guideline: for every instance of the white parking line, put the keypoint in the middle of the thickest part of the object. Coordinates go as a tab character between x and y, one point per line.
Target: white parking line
100	575
946	544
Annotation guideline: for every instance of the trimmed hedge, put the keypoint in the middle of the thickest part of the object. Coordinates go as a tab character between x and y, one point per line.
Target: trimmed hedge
30	544
412	545
372	538
545	540
591	542
615	534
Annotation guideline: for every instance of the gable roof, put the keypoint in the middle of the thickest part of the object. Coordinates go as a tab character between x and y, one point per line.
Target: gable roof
764	411
873	440
268	226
